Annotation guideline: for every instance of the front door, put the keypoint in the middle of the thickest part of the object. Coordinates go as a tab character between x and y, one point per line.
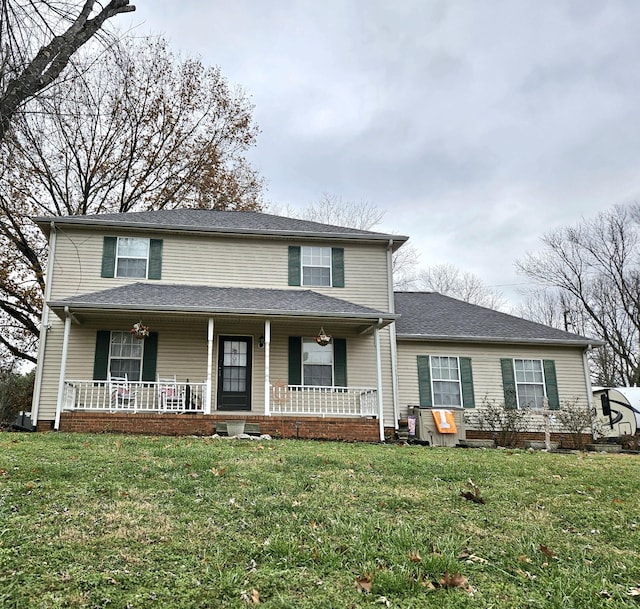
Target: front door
234	373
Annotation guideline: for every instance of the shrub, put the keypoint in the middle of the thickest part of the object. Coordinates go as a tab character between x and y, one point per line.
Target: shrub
576	420
16	392
505	424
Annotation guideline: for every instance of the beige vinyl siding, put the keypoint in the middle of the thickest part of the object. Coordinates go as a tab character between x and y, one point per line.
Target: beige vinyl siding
487	375
219	261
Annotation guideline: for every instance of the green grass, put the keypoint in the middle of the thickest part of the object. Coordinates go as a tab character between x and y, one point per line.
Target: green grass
137	522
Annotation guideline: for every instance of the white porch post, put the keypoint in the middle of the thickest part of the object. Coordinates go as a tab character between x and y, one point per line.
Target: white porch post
63	367
267	371
376	339
207	401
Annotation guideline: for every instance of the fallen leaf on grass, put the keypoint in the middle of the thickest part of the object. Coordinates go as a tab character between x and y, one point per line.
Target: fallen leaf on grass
252	599
363	584
634	591
414	556
546	551
219	472
453	581
473	494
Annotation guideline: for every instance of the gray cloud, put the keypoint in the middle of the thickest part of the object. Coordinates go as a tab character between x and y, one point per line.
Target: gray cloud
479	126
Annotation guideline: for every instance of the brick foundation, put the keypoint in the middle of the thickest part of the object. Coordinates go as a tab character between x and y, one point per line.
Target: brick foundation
317	428
565	440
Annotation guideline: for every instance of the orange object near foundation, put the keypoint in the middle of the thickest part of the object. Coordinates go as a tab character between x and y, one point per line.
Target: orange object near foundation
445	420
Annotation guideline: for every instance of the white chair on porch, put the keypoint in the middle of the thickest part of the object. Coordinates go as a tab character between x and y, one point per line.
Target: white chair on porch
121	394
169	396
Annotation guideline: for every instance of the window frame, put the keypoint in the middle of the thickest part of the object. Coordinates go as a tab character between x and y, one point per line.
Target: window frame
310	340
518	383
457	381
119	257
112	357
310	266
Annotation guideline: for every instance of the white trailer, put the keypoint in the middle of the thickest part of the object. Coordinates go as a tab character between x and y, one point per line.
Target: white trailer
618	410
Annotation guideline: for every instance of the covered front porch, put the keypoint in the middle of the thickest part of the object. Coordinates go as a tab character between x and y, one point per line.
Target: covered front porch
235	361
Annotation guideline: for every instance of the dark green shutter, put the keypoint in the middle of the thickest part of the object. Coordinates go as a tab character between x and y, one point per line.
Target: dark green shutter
101	356
295	360
551	383
424	381
466	379
340	362
155	258
150	357
109	245
337	266
294	265
509	384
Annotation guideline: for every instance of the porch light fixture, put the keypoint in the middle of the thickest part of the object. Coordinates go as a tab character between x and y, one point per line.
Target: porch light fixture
322	339
139	330
261	342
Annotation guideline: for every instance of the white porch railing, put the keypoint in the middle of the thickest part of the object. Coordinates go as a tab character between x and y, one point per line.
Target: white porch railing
134	396
324	401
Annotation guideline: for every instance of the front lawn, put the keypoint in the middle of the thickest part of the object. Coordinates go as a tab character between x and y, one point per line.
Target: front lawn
137	522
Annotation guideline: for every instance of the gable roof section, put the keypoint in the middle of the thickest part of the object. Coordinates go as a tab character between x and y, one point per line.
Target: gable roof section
432	316
218	222
201	299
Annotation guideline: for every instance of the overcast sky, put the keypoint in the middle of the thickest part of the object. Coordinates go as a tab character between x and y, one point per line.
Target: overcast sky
477	125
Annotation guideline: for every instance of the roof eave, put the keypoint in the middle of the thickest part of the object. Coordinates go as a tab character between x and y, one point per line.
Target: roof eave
44	223
501	340
58	307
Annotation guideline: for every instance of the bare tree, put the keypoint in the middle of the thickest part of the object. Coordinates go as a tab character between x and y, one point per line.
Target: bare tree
142	131
595	267
363	215
331	209
25	70
448	280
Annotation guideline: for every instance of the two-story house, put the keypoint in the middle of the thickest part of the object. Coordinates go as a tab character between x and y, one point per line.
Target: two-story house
234	308
176	321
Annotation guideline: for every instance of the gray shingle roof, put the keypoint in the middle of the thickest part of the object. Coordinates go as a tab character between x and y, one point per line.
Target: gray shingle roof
208	299
432	316
206	220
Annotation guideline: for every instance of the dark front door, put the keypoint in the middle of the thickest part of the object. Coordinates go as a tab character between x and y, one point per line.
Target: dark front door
234	373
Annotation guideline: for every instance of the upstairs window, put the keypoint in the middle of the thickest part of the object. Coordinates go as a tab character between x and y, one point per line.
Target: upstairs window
316	266
132	257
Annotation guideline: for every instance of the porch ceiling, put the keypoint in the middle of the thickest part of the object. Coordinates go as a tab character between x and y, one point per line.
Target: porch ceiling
221	301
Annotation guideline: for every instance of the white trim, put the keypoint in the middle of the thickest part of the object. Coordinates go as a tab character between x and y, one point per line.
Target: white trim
393	337
267	367
376	340
209	390
44	327
63	367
